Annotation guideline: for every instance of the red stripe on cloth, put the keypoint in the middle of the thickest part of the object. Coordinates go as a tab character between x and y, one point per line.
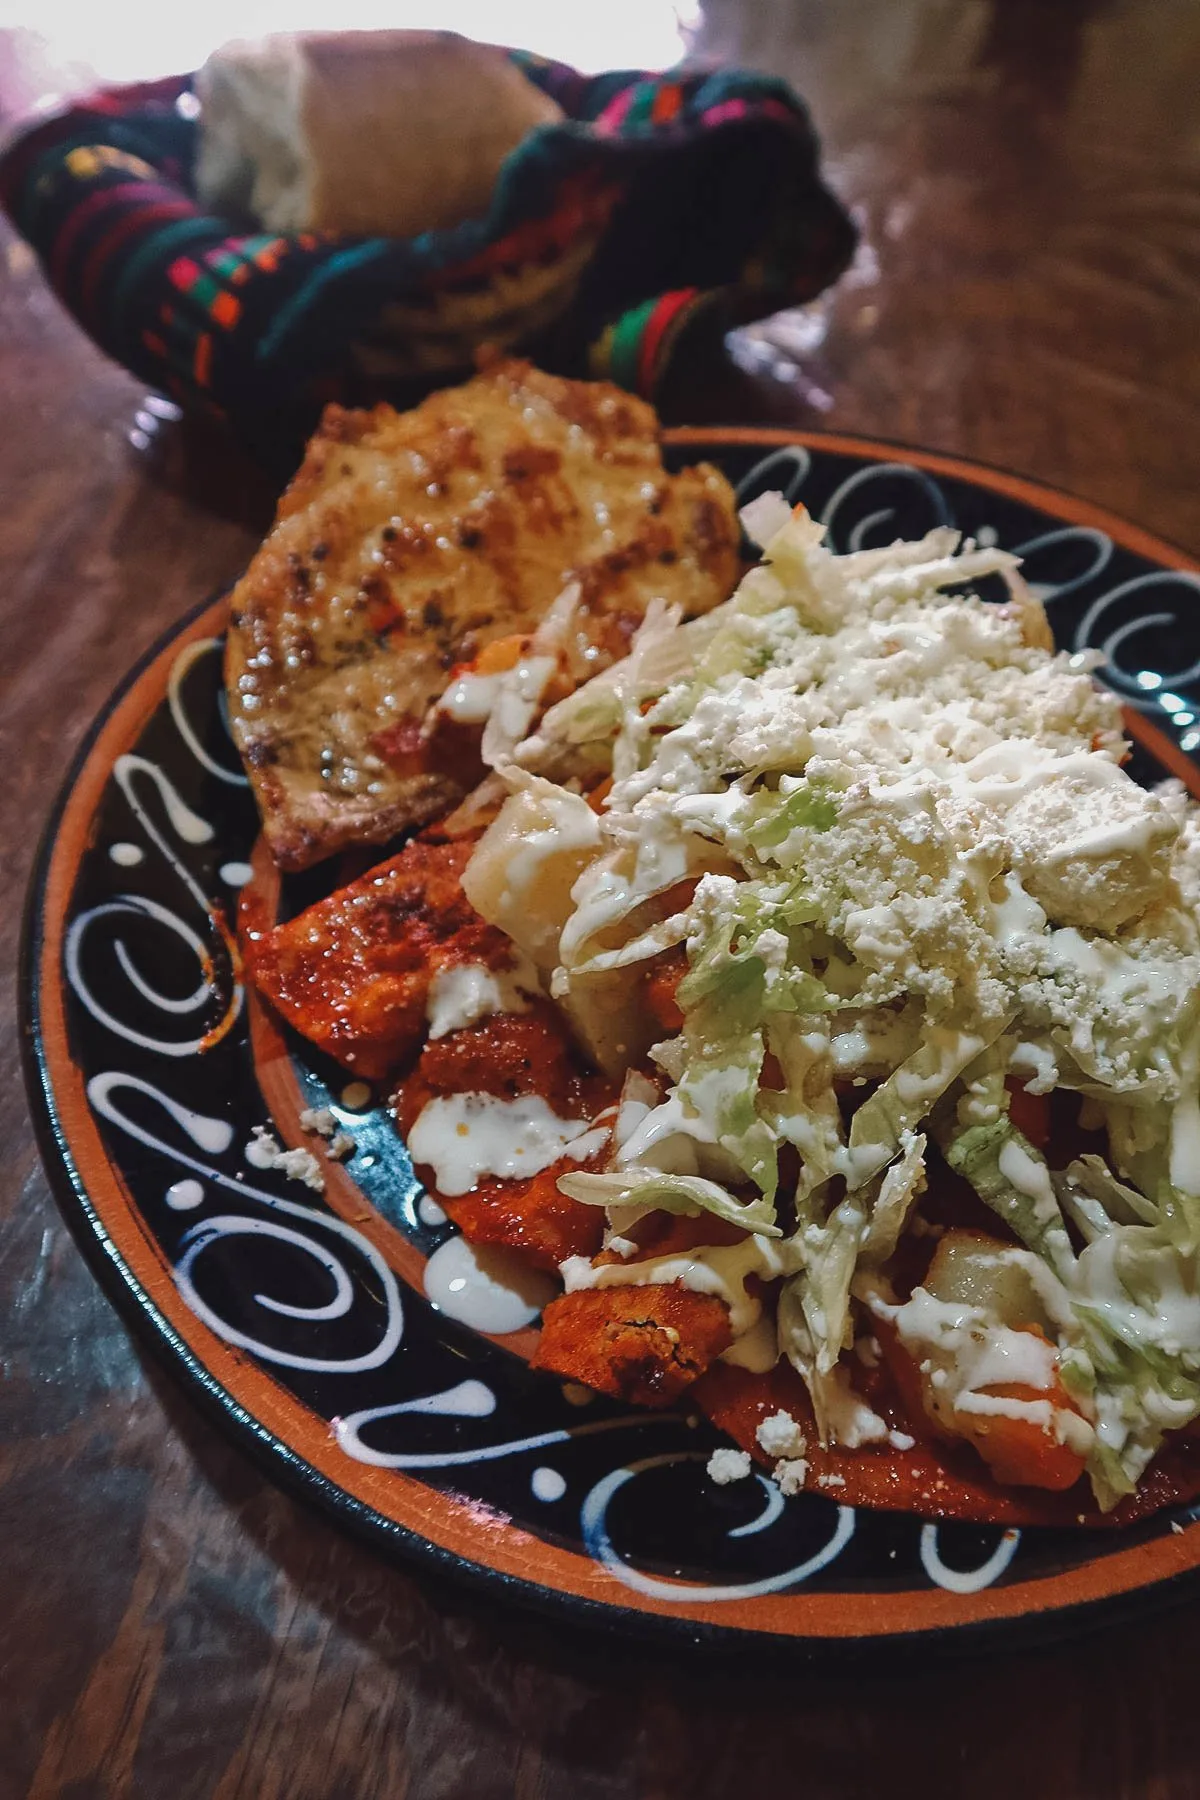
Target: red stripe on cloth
775	109
134	221
120	100
668	103
613	115
725	109
667	310
226	310
184	273
581	205
86	211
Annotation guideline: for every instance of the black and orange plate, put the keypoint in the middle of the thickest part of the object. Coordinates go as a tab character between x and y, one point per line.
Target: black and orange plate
302	1317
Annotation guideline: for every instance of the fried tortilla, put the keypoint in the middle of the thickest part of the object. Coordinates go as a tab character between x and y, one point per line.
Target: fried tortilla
920	1472
352	972
406	544
641	1344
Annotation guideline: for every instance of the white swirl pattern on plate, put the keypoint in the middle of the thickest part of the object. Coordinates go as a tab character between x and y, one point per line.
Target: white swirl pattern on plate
598	1538
190	829
883	518
214	1135
966	1581
139	907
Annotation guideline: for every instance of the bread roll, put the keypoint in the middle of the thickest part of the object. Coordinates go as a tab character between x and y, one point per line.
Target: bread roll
387	133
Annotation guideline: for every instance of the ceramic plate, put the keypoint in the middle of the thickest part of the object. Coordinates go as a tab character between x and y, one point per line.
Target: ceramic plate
303	1317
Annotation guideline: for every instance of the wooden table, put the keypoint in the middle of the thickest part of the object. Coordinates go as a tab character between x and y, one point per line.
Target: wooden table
171	1625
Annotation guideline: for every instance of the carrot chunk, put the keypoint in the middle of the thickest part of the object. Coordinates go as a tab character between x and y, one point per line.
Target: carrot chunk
1021	1452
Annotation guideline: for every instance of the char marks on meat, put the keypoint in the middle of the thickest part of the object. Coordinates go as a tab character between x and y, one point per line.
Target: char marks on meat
407	543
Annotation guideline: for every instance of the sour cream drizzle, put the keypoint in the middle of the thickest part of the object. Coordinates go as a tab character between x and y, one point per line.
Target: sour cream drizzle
964	1353
464	993
462	1137
718	1269
484	1286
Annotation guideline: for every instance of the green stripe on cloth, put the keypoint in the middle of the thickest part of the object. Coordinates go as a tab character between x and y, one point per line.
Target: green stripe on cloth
620	347
291	312
146	259
641	106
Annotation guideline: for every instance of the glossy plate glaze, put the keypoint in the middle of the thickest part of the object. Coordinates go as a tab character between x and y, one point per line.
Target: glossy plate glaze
347	1335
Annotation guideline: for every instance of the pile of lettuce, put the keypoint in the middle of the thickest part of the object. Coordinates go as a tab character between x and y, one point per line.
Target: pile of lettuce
890	830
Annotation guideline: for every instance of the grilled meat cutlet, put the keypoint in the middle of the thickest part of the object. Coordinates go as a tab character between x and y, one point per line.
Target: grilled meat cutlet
406	544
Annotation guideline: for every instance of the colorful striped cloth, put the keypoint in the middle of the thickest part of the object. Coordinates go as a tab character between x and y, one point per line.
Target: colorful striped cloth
657	197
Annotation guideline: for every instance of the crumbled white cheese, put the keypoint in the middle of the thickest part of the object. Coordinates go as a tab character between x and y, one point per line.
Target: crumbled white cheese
725	1466
265	1152
318	1119
905	820
952	746
791	1475
780	1435
341	1145
262	1149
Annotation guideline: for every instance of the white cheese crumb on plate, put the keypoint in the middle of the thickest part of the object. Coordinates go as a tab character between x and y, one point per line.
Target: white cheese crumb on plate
725	1466
265	1152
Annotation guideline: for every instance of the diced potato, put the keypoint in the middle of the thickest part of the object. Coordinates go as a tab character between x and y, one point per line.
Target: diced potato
520	879
982	1271
526	863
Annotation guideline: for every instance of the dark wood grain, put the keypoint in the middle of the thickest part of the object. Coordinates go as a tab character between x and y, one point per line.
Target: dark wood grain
172	1627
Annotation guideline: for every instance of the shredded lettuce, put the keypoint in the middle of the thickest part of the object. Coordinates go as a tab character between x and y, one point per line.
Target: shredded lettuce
774	816
794	1334
746	949
897	1193
874	898
831	1253
900	1103
1137	1313
743	971
805	1111
815	1323
652	1191
1011	1177
720	1082
764	517
833	1400
1095	1200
